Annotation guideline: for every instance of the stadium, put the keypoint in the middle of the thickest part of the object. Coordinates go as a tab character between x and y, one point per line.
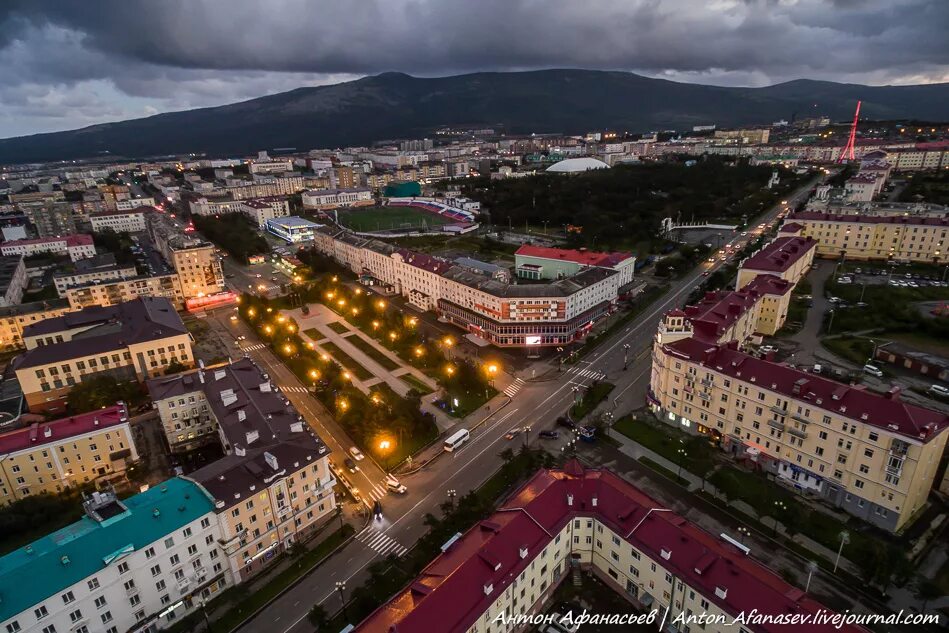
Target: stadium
406	216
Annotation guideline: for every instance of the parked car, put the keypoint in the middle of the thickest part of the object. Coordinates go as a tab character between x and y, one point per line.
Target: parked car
767	349
873	370
564	422
350	465
939	390
818	368
551	435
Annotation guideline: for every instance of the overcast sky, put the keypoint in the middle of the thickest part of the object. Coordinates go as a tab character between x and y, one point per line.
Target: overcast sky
66	64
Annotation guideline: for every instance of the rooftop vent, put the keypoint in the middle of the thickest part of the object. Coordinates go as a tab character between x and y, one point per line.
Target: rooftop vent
156	513
47	432
220	374
593	501
252	436
241	415
64	560
569	500
523	552
488	588
666	554
721	592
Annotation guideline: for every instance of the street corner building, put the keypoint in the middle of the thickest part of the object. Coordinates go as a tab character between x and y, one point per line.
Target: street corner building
274	486
135	340
565	522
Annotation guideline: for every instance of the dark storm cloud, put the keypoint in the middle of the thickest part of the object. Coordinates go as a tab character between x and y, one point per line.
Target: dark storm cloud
138	57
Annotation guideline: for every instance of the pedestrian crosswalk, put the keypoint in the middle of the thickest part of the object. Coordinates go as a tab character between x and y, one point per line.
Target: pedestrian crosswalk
380	543
587	373
376	492
293	389
253	348
513	388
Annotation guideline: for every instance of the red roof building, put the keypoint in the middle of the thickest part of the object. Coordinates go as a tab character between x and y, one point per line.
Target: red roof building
582	257
38	434
549	521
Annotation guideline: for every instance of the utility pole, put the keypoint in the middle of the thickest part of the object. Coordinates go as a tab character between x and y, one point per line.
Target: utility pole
625	356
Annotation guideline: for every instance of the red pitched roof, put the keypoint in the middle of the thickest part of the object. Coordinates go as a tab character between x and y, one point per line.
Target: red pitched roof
38	434
885	411
450	593
780	254
791	227
582	257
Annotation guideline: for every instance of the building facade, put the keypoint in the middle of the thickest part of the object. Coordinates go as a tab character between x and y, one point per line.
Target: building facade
262	209
13	280
873	456
131	341
334	198
135	565
786	257
49	457
538	262
76	246
194	260
274	485
875	237
14	319
121	221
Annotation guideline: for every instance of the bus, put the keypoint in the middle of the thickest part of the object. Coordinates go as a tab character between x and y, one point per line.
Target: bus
457	439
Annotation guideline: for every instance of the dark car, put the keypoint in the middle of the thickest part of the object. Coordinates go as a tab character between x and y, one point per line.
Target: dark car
548	435
351	465
563	421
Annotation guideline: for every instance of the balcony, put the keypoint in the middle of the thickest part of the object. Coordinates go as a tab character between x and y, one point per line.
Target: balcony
779	410
131	591
183	585
704	396
800	418
775	424
899	447
706	382
801	433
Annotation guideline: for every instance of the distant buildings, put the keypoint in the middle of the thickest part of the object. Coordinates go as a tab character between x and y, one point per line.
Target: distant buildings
334	198
566	522
55	455
130	341
13	280
121	221
76	246
292	229
261	210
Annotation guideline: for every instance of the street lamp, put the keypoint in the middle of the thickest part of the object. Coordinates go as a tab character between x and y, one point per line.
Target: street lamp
451	496
341	587
778	507
682	456
743	532
844	539
811	568
625	356
384	446
527	438
448	342
339	513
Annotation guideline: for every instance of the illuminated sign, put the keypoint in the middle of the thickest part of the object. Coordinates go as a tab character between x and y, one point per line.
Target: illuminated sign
532	340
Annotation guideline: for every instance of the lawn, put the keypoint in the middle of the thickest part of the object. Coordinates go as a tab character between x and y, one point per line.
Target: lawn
339	327
416	384
347	361
373	352
856	349
469	402
662	470
314	334
390	217
667	442
595	394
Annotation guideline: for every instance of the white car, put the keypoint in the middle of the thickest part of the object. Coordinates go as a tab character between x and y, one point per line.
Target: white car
356	453
939	390
767	349
873	371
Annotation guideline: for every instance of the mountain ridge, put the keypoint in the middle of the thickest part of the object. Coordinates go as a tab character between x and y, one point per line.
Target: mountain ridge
397	105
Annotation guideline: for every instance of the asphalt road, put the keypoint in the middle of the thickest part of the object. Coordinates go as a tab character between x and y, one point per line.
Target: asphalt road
537	404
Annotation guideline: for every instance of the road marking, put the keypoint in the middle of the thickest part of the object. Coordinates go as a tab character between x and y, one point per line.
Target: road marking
381	543
513	388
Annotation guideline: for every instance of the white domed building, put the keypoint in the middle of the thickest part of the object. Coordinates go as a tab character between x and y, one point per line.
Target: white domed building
576	165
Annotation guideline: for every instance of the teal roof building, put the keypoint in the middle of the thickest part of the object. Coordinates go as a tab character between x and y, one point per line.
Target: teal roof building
110	530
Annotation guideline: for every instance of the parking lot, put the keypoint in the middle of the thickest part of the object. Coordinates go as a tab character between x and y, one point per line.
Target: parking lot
876	276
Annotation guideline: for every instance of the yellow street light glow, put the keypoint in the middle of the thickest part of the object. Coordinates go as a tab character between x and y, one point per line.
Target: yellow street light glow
492	369
330	295
384	445
392	335
290	327
334	278
355	311
448	341
314	374
281	319
358	291
413	321
324	357
341	302
268	329
343	405
310	344
251	312
450	370
419	351
347	375
380	304
269	309
375	325
287	348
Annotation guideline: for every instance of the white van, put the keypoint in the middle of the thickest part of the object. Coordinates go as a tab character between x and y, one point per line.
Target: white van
457	439
393	485
873	371
939	390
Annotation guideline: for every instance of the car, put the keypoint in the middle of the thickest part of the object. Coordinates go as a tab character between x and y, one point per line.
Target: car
259	275
706	273
767	349
818	368
393	485
858	270
833	299
565	422
356	453
233	317
510	436
744	233
844	280
939	390
274	279
873	370
350	465
548	435
908	276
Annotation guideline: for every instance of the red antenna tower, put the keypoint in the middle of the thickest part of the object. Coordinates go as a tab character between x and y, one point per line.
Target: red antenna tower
847	153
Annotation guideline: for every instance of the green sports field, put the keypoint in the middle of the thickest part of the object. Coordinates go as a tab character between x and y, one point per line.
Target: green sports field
388	218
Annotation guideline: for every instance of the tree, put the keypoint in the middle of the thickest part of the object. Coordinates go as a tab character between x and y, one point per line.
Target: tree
102	391
174	367
926	589
319	617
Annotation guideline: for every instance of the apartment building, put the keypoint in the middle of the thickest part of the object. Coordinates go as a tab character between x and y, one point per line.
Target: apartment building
134	203
77	246
267	165
119	289
50	219
194	260
214	206
262	209
334	198
871	455
100	267
273	486
13	319
121	221
133	565
758	136
786	257
131	341
882	237
47	457
13	280
562	522
539	262
504	314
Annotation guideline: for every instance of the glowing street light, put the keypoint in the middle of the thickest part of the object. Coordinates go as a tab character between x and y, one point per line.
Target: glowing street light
251	312
347	375
355	311
375	325
314	374
343	405
419	351
392	336
268	329
450	370
287	348
380	304
341	302
324	357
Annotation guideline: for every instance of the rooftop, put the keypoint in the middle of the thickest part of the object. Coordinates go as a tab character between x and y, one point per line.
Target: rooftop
450	594
256	419
80	239
780	254
59	560
582	256
39	434
574	165
103	329
34	306
885	411
293	222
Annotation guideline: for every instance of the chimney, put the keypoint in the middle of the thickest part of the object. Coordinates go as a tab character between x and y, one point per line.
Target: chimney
523	552
488	588
721	592
893	393
666	554
569	500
